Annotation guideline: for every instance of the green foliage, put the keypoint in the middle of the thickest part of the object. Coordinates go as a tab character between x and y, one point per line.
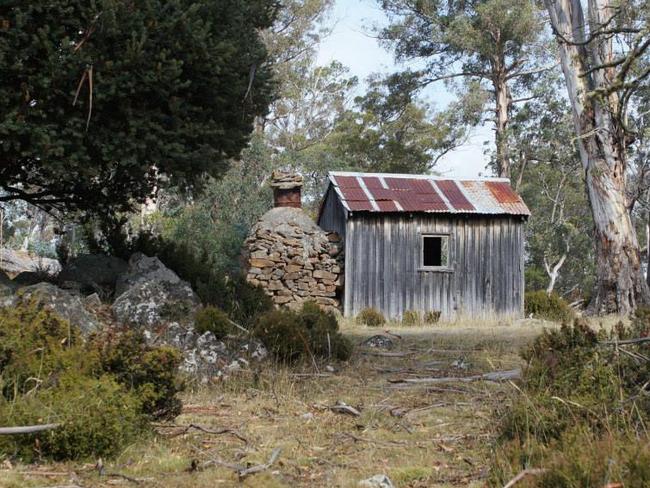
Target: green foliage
489	46
290	335
411	317
103	390
211	319
99	417
35	345
150	373
370	317
541	305
385	133
535	277
115	95
432	316
579	405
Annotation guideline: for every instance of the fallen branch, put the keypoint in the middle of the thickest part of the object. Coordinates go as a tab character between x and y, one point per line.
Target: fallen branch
388	332
261	467
356	438
406	411
388	354
242	471
341	407
512	374
27	429
522	475
124	477
47	474
185	429
311	375
624	342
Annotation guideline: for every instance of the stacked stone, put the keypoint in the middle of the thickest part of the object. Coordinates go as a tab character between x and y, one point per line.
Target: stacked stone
286	181
294	260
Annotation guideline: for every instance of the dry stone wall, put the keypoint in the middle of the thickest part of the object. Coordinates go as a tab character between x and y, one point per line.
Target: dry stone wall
294	260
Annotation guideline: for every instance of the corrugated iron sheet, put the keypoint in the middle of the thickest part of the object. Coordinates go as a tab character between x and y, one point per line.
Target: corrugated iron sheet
454	195
377	192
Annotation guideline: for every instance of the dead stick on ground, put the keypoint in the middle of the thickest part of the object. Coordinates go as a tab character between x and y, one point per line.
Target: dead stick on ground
124	477
624	342
341	407
356	438
206	430
493	376
388	354
522	475
243	471
27	429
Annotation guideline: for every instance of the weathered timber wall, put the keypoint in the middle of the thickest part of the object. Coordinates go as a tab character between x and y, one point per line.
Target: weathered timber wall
332	215
382	264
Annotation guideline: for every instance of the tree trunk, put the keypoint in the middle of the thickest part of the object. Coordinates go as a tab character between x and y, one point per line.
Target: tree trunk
553	273
647	249
620	285
502	116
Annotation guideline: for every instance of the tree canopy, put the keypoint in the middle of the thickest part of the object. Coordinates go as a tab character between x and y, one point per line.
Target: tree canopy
102	102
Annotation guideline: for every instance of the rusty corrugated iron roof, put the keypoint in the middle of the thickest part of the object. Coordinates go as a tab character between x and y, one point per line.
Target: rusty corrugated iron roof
377	192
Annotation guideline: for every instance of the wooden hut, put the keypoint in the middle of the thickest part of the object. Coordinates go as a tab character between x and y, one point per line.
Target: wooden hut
422	243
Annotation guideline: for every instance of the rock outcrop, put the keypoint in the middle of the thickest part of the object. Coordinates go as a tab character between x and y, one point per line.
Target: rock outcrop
293	259
94	272
149	293
66	305
14	262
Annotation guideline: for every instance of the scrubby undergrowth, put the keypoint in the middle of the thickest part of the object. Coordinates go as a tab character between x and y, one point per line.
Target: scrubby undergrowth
102	391
541	305
309	332
582	411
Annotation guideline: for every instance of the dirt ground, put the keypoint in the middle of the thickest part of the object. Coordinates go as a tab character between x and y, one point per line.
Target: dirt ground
420	434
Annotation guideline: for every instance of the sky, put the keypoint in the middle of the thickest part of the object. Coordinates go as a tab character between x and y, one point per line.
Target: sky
351	42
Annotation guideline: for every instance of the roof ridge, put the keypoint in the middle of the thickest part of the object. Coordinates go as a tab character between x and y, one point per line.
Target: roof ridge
415	176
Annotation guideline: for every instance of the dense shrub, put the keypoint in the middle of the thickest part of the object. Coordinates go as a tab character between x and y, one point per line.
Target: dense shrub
290	335
98	417
102	390
211	319
370	317
149	372
35	345
541	305
581	402
432	316
411	317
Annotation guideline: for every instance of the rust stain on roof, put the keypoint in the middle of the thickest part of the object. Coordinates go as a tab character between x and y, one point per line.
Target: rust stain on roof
377	192
502	192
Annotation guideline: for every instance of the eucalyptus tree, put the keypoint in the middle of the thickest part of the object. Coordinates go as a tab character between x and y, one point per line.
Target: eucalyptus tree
548	174
603	52
383	133
491	45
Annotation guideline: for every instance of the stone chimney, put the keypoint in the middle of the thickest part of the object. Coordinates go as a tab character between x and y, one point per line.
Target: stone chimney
286	189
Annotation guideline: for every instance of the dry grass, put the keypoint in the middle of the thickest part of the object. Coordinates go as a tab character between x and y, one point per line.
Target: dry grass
420	436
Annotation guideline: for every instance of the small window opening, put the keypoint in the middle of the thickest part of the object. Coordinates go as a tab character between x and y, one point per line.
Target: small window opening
435	251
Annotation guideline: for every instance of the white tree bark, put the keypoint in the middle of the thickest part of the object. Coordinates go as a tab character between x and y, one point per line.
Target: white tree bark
553	273
620	283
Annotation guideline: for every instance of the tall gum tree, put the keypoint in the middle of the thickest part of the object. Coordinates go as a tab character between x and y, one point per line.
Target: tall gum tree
494	45
601	54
